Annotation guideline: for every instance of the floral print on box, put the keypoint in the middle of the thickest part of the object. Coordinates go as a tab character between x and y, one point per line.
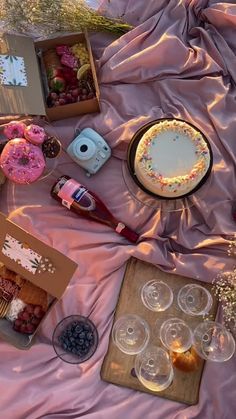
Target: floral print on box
12	71
21	253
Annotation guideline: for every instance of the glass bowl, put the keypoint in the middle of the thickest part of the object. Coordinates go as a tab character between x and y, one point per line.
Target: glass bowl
154	368
194	300
156	295
75	339
50	167
176	335
213	342
131	334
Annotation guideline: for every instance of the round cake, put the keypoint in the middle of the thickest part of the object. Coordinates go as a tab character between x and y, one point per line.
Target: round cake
171	159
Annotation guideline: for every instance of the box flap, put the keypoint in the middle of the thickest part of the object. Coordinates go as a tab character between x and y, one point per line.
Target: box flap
18	56
25	255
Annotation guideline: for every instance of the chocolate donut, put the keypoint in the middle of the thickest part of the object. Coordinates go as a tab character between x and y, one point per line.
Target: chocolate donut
51	147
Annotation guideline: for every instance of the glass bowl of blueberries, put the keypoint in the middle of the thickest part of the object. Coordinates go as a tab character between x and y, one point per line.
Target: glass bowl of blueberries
75	339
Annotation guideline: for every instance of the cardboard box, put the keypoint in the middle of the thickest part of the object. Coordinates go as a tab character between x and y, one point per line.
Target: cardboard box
18	259
29	98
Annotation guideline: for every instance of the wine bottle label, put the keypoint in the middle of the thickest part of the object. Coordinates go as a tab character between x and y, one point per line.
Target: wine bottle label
66	192
79	193
73	191
83	198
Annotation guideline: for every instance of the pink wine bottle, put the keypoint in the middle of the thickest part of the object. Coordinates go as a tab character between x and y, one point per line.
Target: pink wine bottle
78	199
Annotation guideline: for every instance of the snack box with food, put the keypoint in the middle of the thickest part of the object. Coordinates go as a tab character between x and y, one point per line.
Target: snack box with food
58	76
33	277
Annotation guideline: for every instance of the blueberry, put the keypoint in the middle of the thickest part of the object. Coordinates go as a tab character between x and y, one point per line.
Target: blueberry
82	335
78	329
89	336
87	327
81	342
74	351
65	346
87	344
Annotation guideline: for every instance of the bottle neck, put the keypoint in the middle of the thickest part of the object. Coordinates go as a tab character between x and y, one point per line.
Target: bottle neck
126	232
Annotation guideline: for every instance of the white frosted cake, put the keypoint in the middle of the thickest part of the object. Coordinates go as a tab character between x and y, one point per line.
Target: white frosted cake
171	158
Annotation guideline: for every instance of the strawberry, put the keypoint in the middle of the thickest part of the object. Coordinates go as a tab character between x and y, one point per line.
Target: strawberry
16	327
23	328
26	316
38	312
35	321
54	72
30	328
58	84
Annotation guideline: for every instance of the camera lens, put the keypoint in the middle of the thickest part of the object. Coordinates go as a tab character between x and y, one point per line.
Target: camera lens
83	148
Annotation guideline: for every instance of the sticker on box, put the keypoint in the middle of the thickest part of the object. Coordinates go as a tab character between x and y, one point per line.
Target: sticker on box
26	257
21	254
12	71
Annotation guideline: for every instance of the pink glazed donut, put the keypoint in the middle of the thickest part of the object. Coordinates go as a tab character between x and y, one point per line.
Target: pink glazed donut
14	129
35	134
21	161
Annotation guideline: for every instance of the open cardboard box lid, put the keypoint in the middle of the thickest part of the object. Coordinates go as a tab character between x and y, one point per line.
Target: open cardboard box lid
54	283
22	100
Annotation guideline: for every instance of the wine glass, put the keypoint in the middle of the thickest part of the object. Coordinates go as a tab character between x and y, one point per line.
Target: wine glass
154	368
213	342
156	295
176	335
194	300
131	334
75	339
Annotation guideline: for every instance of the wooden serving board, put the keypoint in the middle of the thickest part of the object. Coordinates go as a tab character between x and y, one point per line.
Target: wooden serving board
117	366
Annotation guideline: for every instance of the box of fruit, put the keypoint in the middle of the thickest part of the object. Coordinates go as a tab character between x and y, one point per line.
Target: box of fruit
54	77
33	277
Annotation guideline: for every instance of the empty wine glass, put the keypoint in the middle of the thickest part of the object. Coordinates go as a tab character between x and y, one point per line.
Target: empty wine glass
156	295
194	300
131	334
176	335
213	342
154	368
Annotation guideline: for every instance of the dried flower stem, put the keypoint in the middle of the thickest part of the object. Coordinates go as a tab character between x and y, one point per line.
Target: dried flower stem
44	17
224	287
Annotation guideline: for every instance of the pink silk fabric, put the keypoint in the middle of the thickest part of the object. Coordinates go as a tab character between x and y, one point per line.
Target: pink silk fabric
179	61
